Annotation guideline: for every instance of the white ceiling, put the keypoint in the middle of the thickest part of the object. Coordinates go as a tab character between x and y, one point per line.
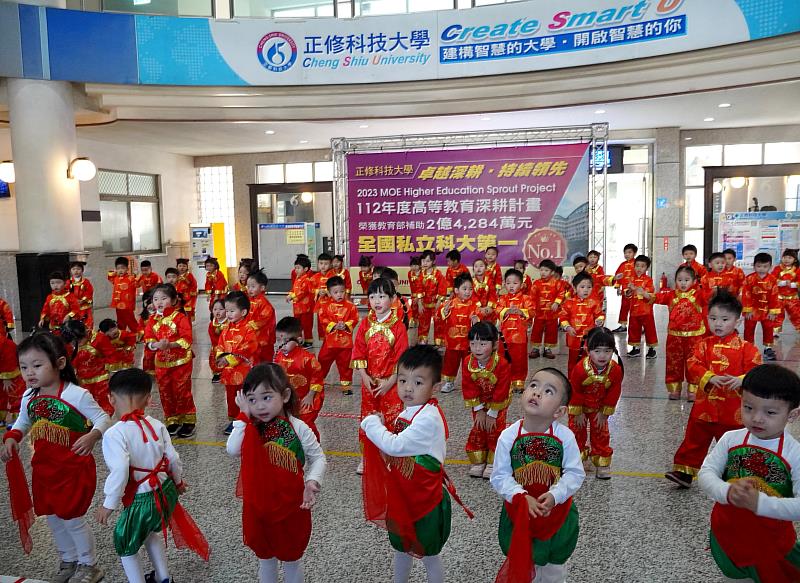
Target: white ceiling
773	104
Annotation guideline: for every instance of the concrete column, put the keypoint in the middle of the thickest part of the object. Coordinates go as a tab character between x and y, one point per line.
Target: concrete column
43	142
668	215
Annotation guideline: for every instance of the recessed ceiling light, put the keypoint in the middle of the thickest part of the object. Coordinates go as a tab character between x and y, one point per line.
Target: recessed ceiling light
599	111
269	132
708	119
364	126
724	105
303	141
688	139
486	118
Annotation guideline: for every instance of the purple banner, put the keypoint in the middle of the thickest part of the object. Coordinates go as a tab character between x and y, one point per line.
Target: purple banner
529	201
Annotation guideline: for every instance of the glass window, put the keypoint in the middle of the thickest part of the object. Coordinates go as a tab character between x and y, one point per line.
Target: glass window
300	172
695	208
635	156
782	153
269	174
793	193
463	4
696	157
695	237
377	7
742	154
345	9
425	5
170	7
215	202
323	171
129	211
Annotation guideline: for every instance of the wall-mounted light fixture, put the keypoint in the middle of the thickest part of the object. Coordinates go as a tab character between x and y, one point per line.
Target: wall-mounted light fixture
307	197
81	169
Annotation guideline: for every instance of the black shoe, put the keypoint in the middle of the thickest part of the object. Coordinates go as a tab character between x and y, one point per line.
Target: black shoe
619	329
172	428
651	353
151	578
229	429
186	431
308	344
347	392
683	479
769	354
215	378
635	351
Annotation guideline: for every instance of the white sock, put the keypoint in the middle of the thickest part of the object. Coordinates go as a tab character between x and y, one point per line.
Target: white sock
62	539
550	573
293	571
132	565
402	567
268	571
154	544
434	568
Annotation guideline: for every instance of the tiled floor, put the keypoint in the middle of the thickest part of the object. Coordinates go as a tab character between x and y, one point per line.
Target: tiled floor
634	528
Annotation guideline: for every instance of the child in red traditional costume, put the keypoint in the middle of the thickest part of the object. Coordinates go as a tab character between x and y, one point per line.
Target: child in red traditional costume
123	294
65	423
59	306
262	315
12	385
169	335
458	315
364	276
514	311
148	279
486	385
171	276
686	328
216	286
123	344
415	287
400	304
215	327
246	265
236	351
145	475
527	283
689	253
596	387
83	291
735	273
623	275
90	353
717	366
446	291
339	318
318	284
303	297
546	297
537	471
379	341
761	303
493	269
433	286
281	473
339	270
405	488
599	278
6	318
788	276
642	293
484	291
186	287
718	277
578	315
454	269
303	370
753	477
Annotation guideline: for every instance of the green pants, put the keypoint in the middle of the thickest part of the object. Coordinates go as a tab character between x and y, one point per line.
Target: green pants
137	521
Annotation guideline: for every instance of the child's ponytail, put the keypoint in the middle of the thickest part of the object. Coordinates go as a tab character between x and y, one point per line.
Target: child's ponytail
506	352
72	332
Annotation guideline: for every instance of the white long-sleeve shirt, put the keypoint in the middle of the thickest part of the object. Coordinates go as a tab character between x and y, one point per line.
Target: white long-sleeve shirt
314	468
425	435
123	447
710	475
572	473
78	397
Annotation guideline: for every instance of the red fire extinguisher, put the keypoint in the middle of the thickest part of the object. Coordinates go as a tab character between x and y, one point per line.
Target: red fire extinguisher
664	283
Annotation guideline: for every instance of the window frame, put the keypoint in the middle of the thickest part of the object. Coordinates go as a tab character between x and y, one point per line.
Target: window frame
128	199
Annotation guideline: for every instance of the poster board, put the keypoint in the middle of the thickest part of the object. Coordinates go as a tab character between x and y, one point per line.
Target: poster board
759	232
